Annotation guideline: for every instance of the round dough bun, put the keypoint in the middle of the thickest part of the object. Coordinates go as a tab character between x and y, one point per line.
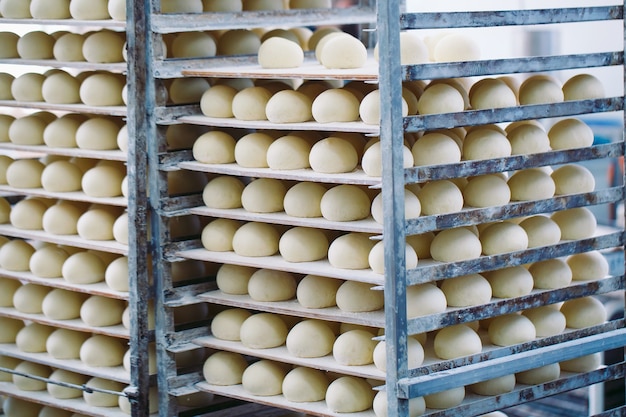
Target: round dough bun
68	377
588	266
15	255
61	176
467	290
256	239
371	161
104	46
349	251
233	279
89	9
83	267
250	103
503	237
98	133
100	311
550	274
27	87
25	173
263	195
9	40
9	286
69	48
226	324
288	152
264	378
435	148
440	98
103	180
61	133
573	179
32	338
540	89
415	354
223	192
541	231
61	304
217	101
102	351
349	394
251	150
65	343
218	235
376	258
271	285
29	298
224	368
25	383
214	147
9	329
102	89
455	47
491	93
485	143
539	375
117	9
494	386
341	51
548	321
304	200
575	223
528	138
583	87
457	341
262	331
289	106
60	88
62	218
569	134
511	329
27	130
96	224
305	385
369	109
278	52
585	363
417	405
354	348
303	244
310	338
344	203
116	274
412	206
238	42
315	291
193	45
27	214
102	399
531	184
440	197
335	105
357	297
457	244
486	191
425	299
333	155
584	312
35	45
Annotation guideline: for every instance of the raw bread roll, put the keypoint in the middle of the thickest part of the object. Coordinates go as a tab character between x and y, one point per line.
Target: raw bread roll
5	120
583	87
69	48
528	138
547	320
62	218
503	237
583	312
588	266
349	251
120	229
67	377
310	338
14	406
99	398
251	150
238	42
573	179
27	130
214	147
585	363
7	362
440	98
9	286
193	44
104	46
289	152
35	45
457	244
376	258
354	348
305	385
575	223
315	291
217	101
27	87
65	343
440	197
5	162
466	290
510	282
61	176
335	105
413	49
188	90
435	148
349	394
256	239
304	200
9	329
102	89
551	274
511	329
50	9
9	40
224	368
250	103
333	155
264	378
289	106
116	274
278	52
15	255
32	338
539	375
417	405
412	206
541	231
61	304
494	386
415	354
262	331
303	244
96	224
424	299
100	311
61	132
540	89
102	351
25	383
491	93
83	268
486	191
369	109
117	9
223	192
47	262
233	279
345	202
226	324
357	297
271	285
263	195
485	143
103	180
457	341
531	184
27	214
218	234
89	9
372	160
61	88
455	47
341	51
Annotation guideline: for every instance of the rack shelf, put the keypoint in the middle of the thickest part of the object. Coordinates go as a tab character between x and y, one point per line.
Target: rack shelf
53	63
71	195
73	108
112	155
109	23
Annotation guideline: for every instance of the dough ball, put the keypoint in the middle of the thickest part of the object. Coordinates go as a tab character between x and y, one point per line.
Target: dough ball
570	134
69	48
440	197
27	130
117	9
310	339
494	386
60	88
583	312
50	9
8	362
425	299
417	405
61	133
100	311
32	338
503	237
456	342
15	255
61	304
223	192
372	160
30	368
102	351
214	147
528	139
9	41
333	155
455	47
116	274
588	266
289	152
224	368
531	184
369	109
540	89
485	143
551	274
10	329
264	195
349	394
466	290
314	291
256	239
187	90
102	89
335	105
238	42
83	268
435	148
415	354
413	50
99	398
27	214
233	279
288	106
539	375
96	224
491	93
65	343
511	329
349	251
302	385
354	348
5	161
217	101
440	98
585	363
68	377
62	218
218	235
573	179
98	133
547	320
278	52
452	245
575	223
344	203
5	120
194	44
357	297
103	181
583	87
486	191
541	231
264	378
303	244
342	51
251	150
14	406
27	87
35	45
104	46
89	9
250	103
120	229
9	286
271	285
262	331
412	207
304	199
61	176
226	324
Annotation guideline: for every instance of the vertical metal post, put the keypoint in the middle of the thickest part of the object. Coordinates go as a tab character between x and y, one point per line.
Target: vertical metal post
624	161
139	122
392	139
